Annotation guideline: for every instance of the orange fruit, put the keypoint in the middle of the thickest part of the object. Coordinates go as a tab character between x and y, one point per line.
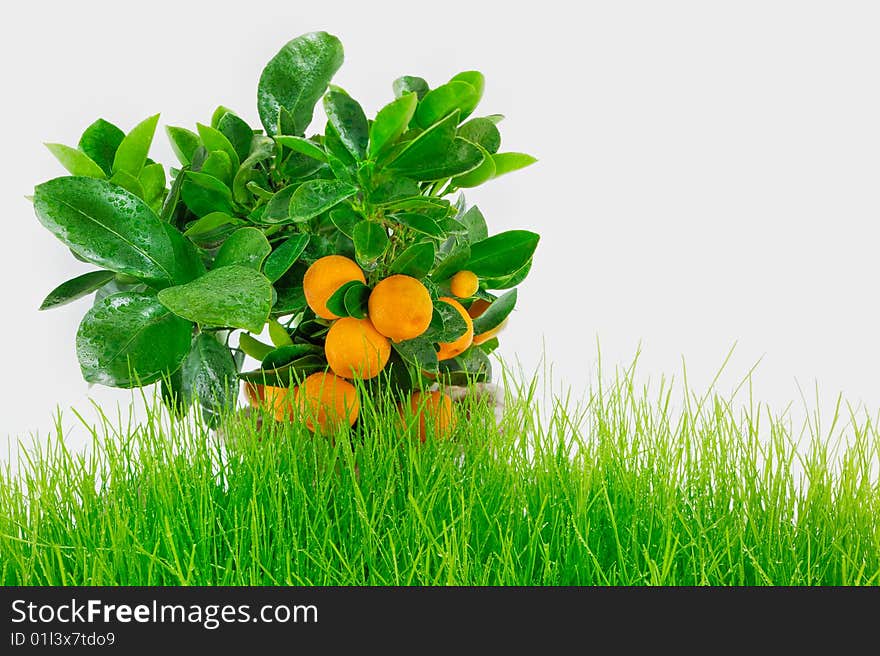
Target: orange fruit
328	401
476	309
273	399
355	349
464	284
324	277
451	349
434	407
400	307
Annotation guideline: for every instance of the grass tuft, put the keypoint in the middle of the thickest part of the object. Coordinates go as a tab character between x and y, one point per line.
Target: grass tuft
621	490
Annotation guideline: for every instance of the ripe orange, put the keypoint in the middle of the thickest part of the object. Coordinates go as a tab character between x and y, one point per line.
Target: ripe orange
355	349
451	349
464	284
476	309
435	407
400	307
278	401
328	400
324	277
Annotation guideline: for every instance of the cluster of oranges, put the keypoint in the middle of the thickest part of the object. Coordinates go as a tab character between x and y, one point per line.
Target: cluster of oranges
399	308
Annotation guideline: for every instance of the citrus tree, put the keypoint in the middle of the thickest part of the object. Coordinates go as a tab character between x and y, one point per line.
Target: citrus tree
354	246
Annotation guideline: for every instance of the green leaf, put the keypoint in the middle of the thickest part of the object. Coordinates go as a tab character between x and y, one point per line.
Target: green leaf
278	333
210	223
231	296
128	182
99	141
502	254
475	223
246	246
348	118
209	374
262	148
76	161
415	261
345	219
410	84
483	173
430	144
496	313
152	179
445	100
508	162
288	374
316	197
419	223
370	241
183	142
506	282
253	347
168	213
76	288
278	208
187	260
283	355
477	81
356	298
132	152
336	302
447	325
302	146
295	79
391	122
283	257
204	194
218	165
129	339
213	140
109	227
237	132
419	351
482	132
470	367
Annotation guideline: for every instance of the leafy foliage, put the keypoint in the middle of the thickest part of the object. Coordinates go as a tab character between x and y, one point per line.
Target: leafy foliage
220	244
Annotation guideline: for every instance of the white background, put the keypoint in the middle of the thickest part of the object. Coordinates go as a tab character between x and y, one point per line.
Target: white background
709	171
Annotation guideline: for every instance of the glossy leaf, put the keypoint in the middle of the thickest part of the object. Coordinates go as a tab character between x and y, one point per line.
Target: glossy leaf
183	142
316	197
278	333
483	132
483	173
283	355
209	375
204	194
218	165
288	374
452	262
262	148
477	80
427	146
356	299
246	246
475	223
76	288
213	140
419	223
370	241
502	254
349	121
345	219
99	141
415	261
446	99
132	152
447	324
278	208
129	339
509	162
210	223
295	79
253	347
282	258
237	132
152	179
128	182
506	282
410	84
391	122
496	313
109	227
302	146
419	352
231	296
76	161
336	302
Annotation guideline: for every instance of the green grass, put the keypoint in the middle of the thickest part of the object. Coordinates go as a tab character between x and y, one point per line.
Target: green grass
623	489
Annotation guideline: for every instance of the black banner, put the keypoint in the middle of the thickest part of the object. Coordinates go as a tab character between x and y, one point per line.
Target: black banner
226	619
